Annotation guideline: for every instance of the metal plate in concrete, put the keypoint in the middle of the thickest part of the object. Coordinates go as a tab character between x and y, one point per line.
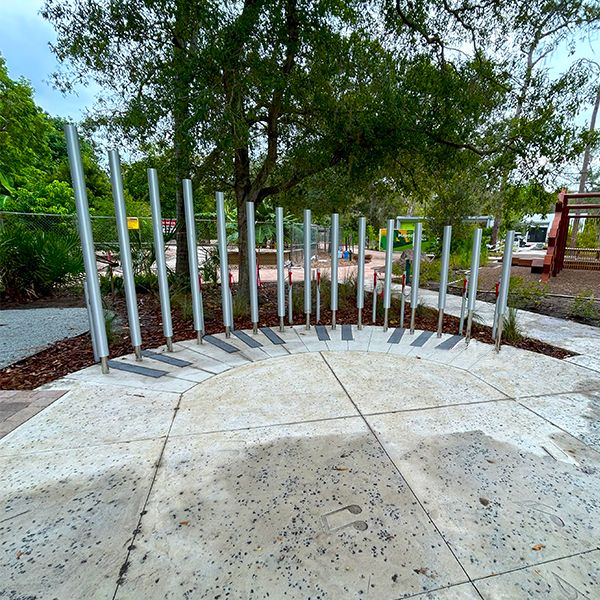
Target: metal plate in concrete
578	414
68	517
90	415
137	369
294	388
396	335
576	577
322	333
169	359
393	382
506	488
271	335
221	344
449	343
249	340
309	510
422	338
347	333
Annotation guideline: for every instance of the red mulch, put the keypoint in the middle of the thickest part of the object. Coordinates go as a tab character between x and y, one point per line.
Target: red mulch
75	353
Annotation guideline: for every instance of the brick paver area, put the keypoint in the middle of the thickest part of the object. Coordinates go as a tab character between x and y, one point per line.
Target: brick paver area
17	406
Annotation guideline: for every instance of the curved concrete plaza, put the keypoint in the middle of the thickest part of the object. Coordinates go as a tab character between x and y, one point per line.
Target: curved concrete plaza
286	465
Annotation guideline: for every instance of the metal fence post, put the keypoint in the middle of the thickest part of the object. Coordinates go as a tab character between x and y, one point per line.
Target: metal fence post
252	276
307	270
225	289
414	289
475	258
87	245
504	285
360	277
444	278
161	262
197	304
280	241
387	284
335	242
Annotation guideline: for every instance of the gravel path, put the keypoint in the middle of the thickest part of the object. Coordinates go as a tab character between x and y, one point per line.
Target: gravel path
24	332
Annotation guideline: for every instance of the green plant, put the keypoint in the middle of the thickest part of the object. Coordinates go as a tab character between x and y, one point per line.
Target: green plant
146	283
422	310
182	299
210	266
240	306
584	306
525	294
35	262
112	324
430	270
511	329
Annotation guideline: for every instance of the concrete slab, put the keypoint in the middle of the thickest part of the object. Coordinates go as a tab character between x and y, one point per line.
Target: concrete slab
573	577
394	382
300	511
589	362
92	415
489	477
578	414
234	359
281	390
68	517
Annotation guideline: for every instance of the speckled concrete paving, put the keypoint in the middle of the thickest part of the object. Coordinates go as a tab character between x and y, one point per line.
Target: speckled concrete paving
309	469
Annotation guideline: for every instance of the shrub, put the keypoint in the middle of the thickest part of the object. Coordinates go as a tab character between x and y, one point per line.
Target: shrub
584	306
511	329
34	263
524	294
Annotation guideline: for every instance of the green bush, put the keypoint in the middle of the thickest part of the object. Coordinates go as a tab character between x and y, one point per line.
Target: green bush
511	329
584	306
526	294
34	263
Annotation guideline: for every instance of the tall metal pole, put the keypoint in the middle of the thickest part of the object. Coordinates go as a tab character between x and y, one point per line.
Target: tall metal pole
222	240
335	242
318	294
126	264
414	288
360	277
161	262
86	297
252	280
87	245
444	278
504	285
280	240
307	271
387	284
197	304
475	257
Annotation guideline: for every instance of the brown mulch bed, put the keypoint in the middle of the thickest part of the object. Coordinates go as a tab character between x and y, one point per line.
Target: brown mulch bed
73	354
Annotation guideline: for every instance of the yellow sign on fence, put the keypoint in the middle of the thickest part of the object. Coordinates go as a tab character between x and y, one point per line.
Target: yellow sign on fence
133	223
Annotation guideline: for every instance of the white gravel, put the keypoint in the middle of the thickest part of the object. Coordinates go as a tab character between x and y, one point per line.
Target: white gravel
24	332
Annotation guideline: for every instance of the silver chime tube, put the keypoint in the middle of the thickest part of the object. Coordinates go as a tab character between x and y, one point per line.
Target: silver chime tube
444	277
126	263
318	295
161	262
335	242
87	245
224	266
280	240
387	284
197	304
360	276
252	278
473	277
504	284
414	287
307	270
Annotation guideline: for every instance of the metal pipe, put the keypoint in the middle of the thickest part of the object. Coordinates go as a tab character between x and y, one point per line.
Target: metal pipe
318	315
307	270
374	315
402	301
475	258
197	304
495	319
161	263
224	266
86	297
290	298
87	244
252	279
360	277
463	306
444	277
126	263
280	240
504	284
414	289
387	284
335	242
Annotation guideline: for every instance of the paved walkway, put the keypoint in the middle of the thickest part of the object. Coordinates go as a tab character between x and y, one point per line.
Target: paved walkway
370	464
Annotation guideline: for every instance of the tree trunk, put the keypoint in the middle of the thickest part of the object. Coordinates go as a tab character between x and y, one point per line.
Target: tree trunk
242	195
585	167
